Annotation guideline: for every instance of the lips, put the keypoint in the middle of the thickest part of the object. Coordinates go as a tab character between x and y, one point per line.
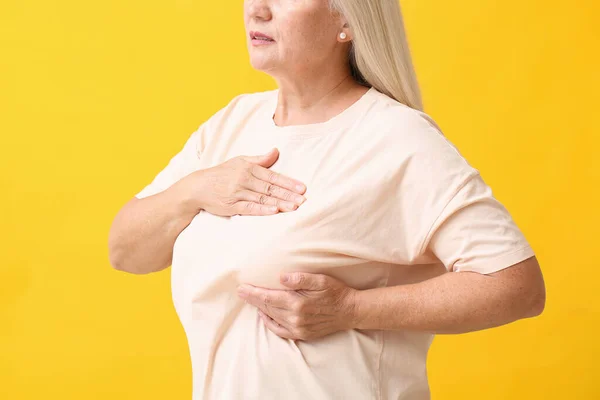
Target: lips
255	35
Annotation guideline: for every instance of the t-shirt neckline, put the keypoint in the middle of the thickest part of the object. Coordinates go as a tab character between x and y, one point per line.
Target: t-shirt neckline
337	122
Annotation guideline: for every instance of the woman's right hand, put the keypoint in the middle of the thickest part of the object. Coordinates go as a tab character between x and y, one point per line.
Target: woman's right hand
244	185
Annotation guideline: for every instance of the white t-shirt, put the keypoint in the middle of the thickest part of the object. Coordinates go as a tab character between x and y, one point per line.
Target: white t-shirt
390	201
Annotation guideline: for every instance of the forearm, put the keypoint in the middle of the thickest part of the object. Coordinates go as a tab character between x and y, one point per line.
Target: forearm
143	233
457	302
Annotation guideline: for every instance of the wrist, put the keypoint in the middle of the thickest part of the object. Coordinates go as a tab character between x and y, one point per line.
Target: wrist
371	309
355	309
185	198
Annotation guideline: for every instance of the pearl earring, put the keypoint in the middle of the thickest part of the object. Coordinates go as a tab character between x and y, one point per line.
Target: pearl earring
343	35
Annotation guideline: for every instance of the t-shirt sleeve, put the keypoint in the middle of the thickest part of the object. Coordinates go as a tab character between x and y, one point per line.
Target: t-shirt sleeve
448	213
475	232
180	165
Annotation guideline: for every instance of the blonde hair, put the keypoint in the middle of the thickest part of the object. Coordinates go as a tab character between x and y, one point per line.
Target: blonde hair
380	55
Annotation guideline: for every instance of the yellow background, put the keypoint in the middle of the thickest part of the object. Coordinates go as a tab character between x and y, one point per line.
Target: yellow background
96	96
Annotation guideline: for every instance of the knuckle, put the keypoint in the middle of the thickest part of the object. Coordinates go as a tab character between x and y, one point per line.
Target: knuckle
237	182
272	176
300	279
295	321
232	187
243	178
263	198
298	307
228	202
287	195
266	299
270	188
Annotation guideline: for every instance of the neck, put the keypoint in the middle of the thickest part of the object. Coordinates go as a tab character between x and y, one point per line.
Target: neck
315	99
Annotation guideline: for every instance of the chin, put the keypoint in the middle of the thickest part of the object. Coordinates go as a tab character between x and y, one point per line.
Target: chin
263	67
260	64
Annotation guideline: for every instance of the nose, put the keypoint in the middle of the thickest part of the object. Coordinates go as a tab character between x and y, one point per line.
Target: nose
259	9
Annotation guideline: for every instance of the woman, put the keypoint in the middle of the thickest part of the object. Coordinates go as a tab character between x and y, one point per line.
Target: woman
322	233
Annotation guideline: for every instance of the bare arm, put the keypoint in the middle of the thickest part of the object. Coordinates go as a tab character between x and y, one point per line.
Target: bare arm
143	232
456	302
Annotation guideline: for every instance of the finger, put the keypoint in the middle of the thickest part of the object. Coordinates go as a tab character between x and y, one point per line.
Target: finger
266	298
277	314
274	178
252	208
272	190
254	197
265	160
305	281
275	327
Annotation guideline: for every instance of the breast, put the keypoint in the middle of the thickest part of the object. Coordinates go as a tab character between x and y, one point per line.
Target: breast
214	254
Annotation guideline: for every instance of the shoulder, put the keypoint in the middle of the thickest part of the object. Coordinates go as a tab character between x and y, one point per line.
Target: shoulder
401	120
401	126
413	139
244	104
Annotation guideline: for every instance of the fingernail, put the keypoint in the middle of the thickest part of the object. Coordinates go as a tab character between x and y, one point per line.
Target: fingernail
299	199
299	187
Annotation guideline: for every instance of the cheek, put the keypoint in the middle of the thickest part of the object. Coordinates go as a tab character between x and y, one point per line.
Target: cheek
309	31
299	38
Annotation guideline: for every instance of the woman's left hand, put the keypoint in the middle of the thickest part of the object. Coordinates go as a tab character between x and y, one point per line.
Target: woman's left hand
315	305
